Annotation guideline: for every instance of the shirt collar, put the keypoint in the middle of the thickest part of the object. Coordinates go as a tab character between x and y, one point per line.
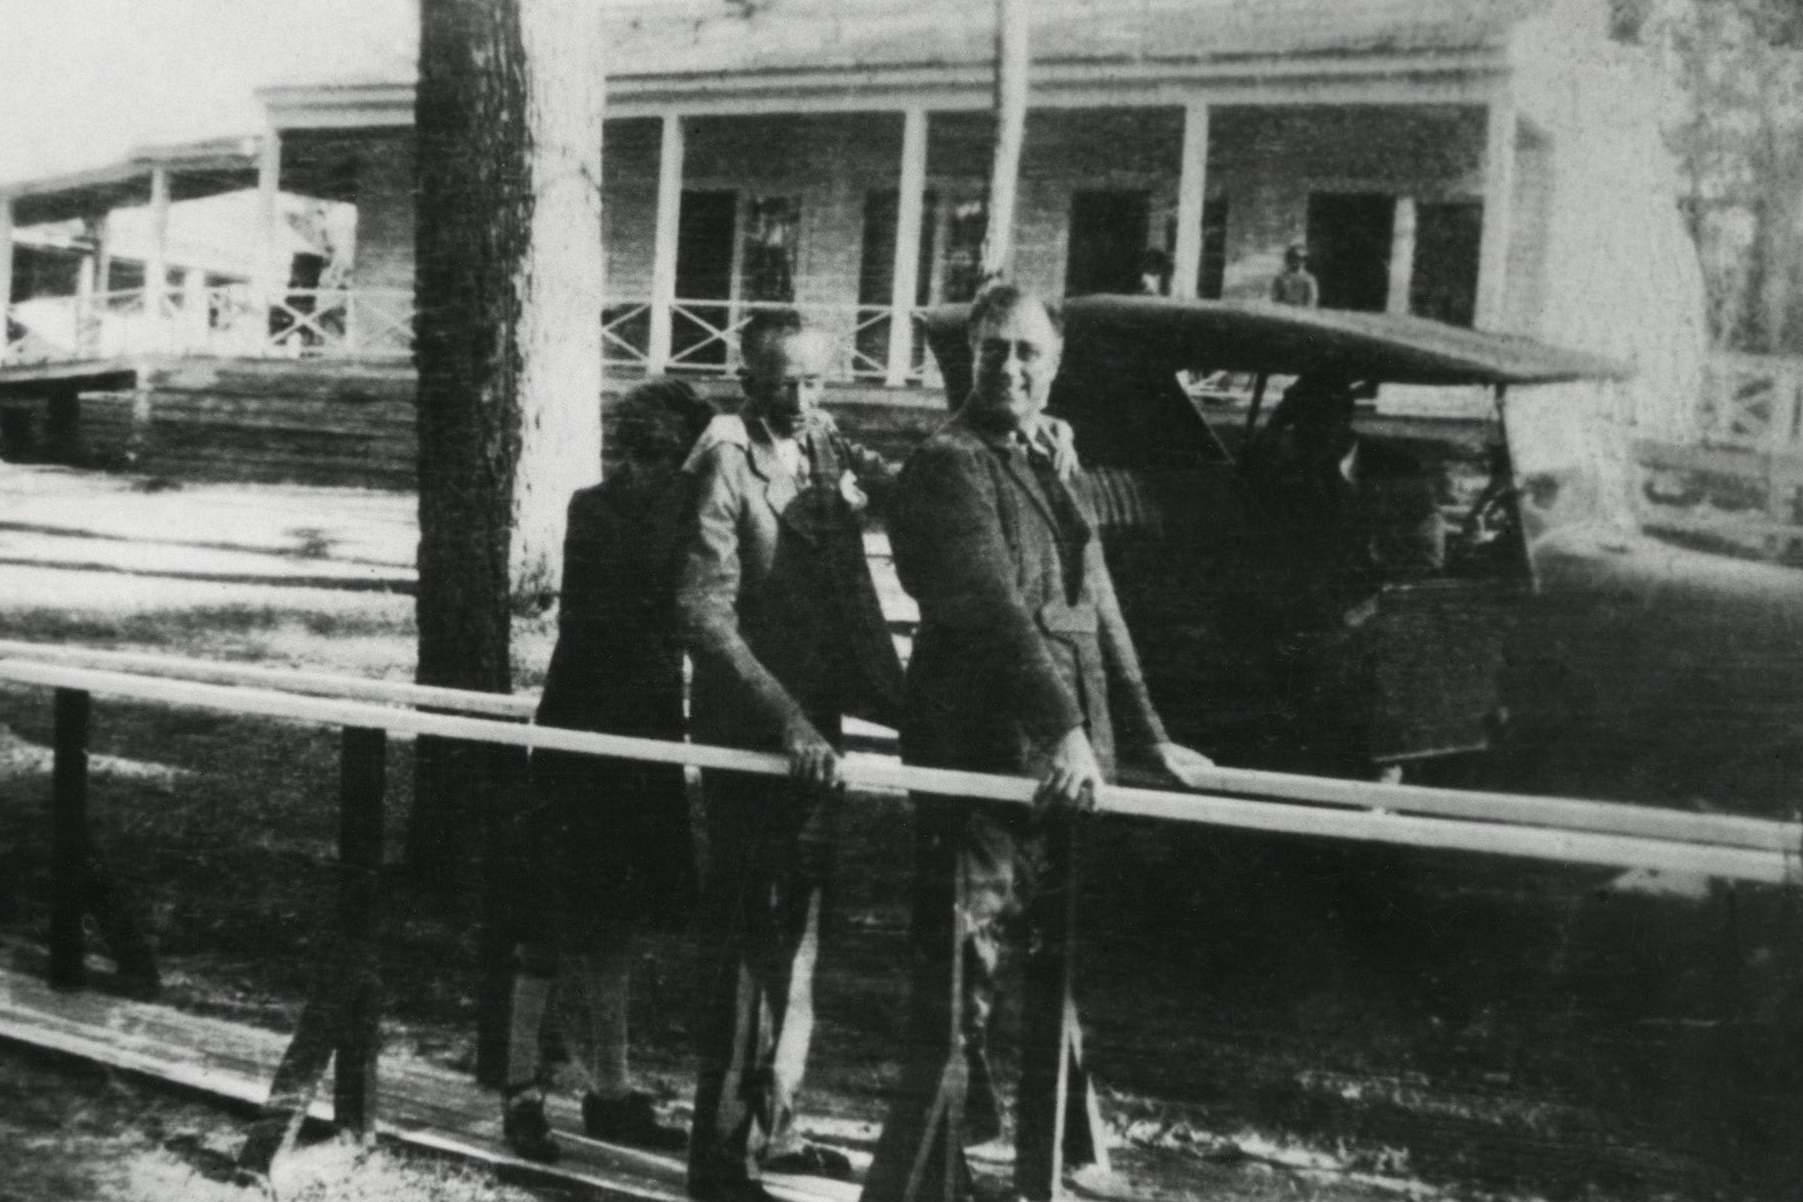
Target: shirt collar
1015	437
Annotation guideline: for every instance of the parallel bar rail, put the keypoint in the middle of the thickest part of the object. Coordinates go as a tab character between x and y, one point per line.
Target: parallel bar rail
341	1022
1489	807
1767	852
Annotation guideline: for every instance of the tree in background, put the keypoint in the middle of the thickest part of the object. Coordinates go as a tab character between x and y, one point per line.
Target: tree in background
1738	65
508	349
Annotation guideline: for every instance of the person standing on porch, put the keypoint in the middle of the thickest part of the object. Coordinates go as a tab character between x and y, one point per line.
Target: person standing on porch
787	637
609	853
1295	284
1020	649
1155	273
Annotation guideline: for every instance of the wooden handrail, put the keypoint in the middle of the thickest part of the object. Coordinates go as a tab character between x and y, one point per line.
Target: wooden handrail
1603	817
1760	850
356	688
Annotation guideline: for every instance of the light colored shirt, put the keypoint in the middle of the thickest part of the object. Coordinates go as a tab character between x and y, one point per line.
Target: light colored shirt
788	451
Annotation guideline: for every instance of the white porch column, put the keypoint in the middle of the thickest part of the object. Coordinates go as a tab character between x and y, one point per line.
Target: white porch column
6	264
90	277
1192	196
271	278
1402	255
103	253
156	261
1499	197
1011	62
195	319
905	288
663	245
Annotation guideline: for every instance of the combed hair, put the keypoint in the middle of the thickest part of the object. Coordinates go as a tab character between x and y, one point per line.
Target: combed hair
999	300
764	327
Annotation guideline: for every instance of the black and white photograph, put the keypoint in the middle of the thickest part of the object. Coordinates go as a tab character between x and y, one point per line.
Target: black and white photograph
901	600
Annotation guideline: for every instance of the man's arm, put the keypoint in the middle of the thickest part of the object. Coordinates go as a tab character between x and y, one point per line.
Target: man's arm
1138	718
708	590
1140	725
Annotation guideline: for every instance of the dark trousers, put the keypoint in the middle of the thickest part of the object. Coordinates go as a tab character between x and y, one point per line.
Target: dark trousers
980	872
770	852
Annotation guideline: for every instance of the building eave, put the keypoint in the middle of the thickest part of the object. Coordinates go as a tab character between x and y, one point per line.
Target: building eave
1446	77
362	105
202	168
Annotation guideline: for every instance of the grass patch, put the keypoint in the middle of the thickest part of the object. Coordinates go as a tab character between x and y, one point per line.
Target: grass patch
1513	1028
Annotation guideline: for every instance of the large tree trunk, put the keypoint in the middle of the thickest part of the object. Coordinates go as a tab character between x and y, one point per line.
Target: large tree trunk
509	350
561	284
474	213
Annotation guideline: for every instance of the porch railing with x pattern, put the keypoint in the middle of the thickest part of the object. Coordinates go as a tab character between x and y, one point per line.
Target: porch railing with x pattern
704	338
233	321
227	320
1752	402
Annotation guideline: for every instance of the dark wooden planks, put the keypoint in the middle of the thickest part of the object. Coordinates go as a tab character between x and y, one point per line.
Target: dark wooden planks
424	1106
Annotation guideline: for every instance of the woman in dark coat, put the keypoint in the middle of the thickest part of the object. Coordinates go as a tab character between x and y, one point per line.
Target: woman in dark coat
609	840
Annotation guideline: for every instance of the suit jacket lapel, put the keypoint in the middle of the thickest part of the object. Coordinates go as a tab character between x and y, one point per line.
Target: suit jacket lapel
1022	474
779	484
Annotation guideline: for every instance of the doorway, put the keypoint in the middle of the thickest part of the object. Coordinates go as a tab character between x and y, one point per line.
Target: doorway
1443	285
1349	237
1107	239
705	231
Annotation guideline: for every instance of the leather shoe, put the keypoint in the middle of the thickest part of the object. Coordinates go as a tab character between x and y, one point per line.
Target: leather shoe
810	1160
524	1126
630	1120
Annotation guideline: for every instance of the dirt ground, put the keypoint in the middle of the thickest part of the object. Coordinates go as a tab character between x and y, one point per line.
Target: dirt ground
1271	1018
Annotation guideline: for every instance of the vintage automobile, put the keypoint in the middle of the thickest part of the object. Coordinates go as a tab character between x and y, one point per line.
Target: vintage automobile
1555	645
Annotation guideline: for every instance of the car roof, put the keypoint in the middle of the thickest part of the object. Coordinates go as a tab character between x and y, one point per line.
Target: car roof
1163	335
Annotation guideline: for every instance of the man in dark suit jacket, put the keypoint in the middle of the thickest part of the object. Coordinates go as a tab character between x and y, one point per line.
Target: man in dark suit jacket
1019	663
786	635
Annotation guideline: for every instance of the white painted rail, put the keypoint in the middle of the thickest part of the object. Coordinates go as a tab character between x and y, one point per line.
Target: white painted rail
288	680
1555	829
1566	813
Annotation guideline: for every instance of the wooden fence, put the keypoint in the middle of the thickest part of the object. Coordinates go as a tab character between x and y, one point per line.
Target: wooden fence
342	1017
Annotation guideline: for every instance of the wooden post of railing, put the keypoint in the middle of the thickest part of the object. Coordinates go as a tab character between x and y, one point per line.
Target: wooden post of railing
69	838
361	772
80	885
501	924
343	1013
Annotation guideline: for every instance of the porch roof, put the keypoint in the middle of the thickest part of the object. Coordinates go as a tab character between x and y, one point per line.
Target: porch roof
867	34
849	52
203	168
